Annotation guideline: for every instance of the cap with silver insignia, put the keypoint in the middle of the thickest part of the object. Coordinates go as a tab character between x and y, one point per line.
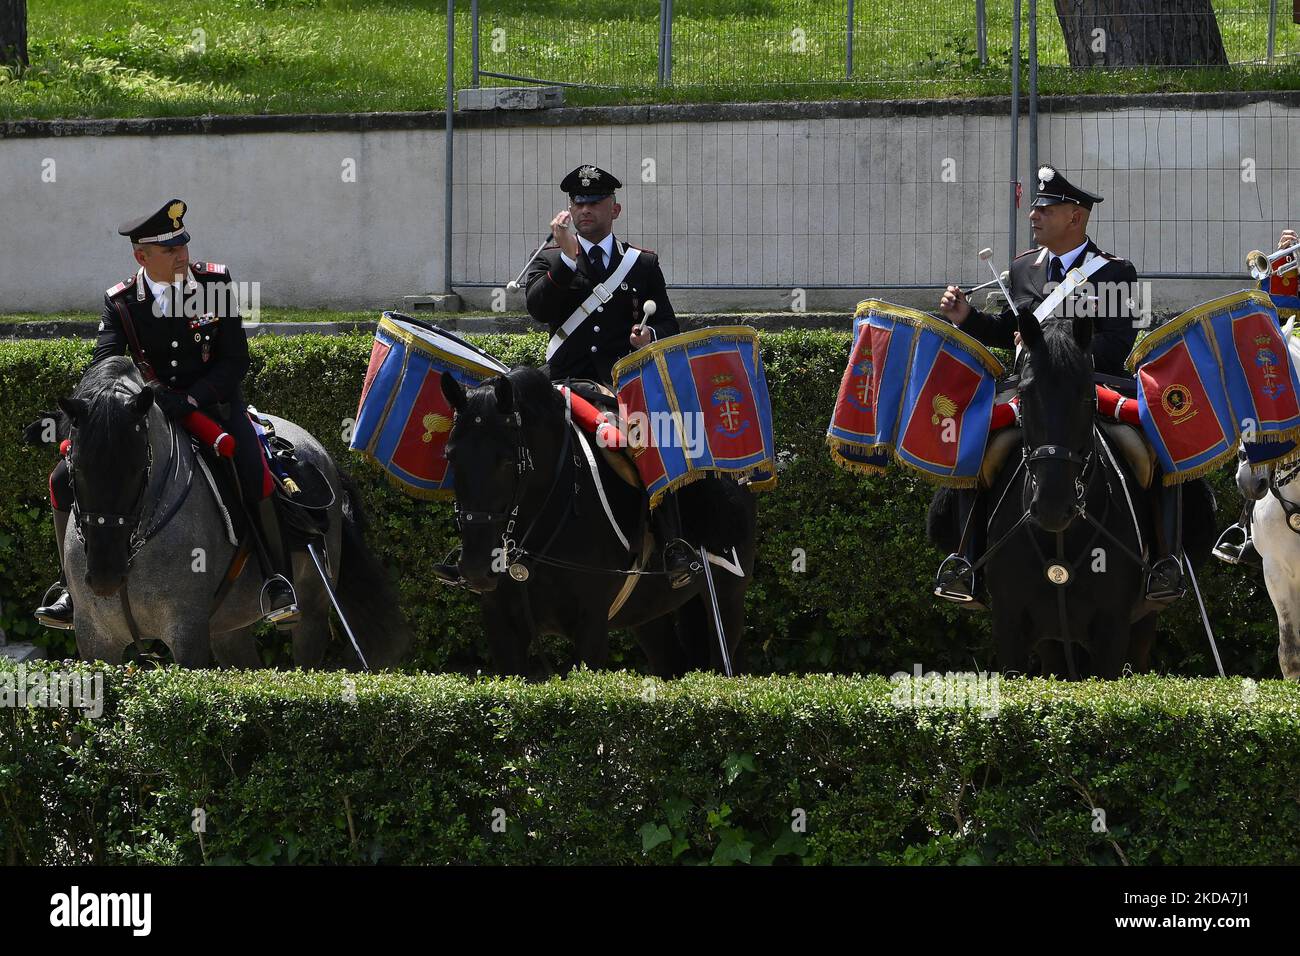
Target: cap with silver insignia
1054	188
589	183
163	228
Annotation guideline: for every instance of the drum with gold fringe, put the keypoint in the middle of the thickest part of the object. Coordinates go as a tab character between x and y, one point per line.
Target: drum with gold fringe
916	389
1215	375
403	420
696	404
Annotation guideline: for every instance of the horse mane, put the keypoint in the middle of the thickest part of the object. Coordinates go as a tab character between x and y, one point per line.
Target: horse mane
1068	362
107	414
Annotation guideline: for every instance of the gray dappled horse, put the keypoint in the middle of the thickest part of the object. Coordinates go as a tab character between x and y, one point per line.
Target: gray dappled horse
149	539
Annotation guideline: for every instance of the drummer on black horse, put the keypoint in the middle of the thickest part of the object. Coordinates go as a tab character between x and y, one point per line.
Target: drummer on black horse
602	299
179	321
1064	259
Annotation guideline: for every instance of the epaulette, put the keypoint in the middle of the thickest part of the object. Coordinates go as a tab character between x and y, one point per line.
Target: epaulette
121	286
209	268
1028	252
642	249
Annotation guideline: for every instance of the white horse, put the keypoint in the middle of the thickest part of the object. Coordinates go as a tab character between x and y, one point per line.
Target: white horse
1275	530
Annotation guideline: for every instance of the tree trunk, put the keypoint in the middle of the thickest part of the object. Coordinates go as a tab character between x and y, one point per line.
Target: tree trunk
13	33
1141	33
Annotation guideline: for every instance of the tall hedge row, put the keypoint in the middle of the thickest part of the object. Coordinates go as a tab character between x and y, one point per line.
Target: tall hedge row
288	767
861	602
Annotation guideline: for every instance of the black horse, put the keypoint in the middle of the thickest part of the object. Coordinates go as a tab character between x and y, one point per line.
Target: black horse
539	546
1070	530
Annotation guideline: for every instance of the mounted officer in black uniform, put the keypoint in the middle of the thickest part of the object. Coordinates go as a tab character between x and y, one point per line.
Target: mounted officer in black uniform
179	321
1064	257
592	291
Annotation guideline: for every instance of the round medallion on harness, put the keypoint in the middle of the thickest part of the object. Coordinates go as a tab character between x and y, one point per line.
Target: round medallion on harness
1058	574
1294	521
519	572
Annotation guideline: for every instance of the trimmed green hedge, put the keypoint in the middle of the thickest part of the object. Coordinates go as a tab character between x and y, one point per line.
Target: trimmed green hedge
292	767
862	604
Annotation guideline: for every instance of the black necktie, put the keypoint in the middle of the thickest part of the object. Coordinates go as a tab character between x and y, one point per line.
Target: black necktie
596	255
1057	271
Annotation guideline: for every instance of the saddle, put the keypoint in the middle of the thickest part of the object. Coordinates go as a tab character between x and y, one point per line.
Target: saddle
1130	443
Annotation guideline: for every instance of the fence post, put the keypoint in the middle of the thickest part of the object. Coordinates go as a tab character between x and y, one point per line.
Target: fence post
1272	29
659	57
447	147
473	48
1033	100
848	50
668	46
1015	130
981	33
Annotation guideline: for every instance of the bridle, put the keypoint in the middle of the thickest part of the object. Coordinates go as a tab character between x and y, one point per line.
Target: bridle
523	462
83	521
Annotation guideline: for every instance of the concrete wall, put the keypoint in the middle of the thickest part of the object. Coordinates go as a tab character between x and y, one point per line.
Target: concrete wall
767	197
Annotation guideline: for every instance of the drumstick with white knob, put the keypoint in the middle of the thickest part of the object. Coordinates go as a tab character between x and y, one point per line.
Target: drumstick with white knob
513	284
648	308
986	255
984	285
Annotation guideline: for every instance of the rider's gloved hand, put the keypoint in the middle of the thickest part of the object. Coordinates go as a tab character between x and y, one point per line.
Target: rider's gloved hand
175	405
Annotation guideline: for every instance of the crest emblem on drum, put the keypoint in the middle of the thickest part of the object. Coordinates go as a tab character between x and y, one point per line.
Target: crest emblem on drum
1266	359
730	402
1177	402
943	406
434	424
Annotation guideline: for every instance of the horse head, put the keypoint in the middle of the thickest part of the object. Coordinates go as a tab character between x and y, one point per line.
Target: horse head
503	445
1057	404
108	463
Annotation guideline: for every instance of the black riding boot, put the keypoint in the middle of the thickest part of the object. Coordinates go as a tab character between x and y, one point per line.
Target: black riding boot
1237	544
279	601
681	561
1165	582
956	579
56	611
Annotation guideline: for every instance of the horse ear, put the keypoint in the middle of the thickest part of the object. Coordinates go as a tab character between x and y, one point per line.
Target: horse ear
1031	333
74	408
452	391
505	394
141	402
1082	328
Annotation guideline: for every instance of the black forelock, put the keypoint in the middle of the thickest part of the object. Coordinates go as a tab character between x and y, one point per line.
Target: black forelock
107	415
1068	363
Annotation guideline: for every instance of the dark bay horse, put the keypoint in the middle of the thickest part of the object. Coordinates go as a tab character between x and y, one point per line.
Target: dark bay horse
146	523
1070	530
535	499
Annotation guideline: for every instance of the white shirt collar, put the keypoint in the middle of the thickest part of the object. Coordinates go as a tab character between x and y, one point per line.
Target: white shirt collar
606	245
1070	258
160	289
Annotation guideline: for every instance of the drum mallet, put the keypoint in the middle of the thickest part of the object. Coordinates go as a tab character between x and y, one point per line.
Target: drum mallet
513	284
984	285
986	255
648	308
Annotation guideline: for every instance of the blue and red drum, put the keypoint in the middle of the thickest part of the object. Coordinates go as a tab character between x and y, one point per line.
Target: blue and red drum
1217	374
696	404
917	389
403	420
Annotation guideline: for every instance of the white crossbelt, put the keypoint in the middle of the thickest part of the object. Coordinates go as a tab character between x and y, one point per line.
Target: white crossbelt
1073	279
600	294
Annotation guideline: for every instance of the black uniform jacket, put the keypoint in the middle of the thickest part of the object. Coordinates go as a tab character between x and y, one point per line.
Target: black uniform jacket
1114	284
200	348
555	291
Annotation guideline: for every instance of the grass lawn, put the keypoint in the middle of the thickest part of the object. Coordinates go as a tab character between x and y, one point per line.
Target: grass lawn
135	58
